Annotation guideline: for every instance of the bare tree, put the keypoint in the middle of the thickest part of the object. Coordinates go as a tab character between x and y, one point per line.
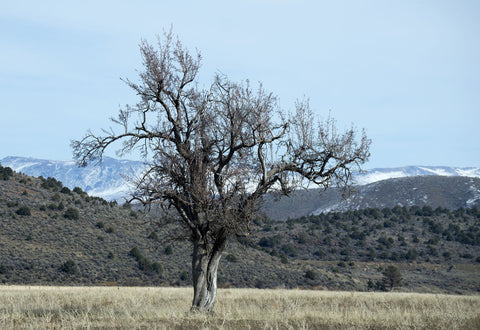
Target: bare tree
212	153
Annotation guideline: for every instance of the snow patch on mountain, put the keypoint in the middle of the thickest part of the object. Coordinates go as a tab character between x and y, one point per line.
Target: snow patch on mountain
379	174
476	196
376	175
106	180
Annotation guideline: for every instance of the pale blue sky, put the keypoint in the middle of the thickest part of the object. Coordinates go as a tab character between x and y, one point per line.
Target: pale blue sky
407	71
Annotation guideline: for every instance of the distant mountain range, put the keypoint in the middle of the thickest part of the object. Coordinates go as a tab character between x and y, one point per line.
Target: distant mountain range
379	174
108	181
436	191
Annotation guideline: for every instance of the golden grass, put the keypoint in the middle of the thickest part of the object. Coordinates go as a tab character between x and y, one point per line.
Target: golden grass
33	307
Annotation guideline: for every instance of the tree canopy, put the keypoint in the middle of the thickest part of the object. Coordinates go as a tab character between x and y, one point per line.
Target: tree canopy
212	153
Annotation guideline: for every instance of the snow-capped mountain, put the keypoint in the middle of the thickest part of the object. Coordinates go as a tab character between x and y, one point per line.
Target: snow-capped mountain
451	192
379	174
108	179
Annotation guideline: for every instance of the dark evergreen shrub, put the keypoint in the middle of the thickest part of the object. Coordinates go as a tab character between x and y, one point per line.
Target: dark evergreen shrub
66	190
392	277
184	276
134	252
24	210
79	191
289	249
411	254
5	173
51	183
71	213
52	206
168	250
69	267
310	274
143	263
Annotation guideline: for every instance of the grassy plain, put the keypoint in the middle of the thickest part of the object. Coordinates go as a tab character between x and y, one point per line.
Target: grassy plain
34	307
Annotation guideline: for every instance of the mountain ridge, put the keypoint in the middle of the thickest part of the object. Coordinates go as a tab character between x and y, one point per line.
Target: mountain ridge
107	180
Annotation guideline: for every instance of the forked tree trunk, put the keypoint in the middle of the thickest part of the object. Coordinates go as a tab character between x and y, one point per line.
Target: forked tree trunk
204	274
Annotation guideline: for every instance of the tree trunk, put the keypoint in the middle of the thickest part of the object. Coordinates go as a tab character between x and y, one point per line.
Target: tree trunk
204	274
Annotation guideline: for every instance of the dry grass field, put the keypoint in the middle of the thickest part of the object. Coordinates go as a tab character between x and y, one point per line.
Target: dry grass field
33	307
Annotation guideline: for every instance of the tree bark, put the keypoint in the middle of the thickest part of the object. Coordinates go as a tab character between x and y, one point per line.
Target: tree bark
205	262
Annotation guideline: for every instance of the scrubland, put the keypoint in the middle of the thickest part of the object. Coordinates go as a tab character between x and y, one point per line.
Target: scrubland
36	307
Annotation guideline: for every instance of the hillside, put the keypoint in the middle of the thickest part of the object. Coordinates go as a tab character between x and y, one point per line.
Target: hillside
451	192
50	234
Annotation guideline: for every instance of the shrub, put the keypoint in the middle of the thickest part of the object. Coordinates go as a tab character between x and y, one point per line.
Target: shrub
69	267
168	250
319	253
51	183
52	206
143	263
5	173
56	197
184	276
66	190
310	274
71	213
411	254
24	210
100	224
302	238
466	256
156	267
289	249
387	242
269	242
392	277
134	252
79	191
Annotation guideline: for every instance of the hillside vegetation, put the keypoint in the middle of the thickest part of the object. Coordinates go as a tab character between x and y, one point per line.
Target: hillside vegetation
50	234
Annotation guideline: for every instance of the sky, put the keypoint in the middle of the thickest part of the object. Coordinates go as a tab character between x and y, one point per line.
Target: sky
408	71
